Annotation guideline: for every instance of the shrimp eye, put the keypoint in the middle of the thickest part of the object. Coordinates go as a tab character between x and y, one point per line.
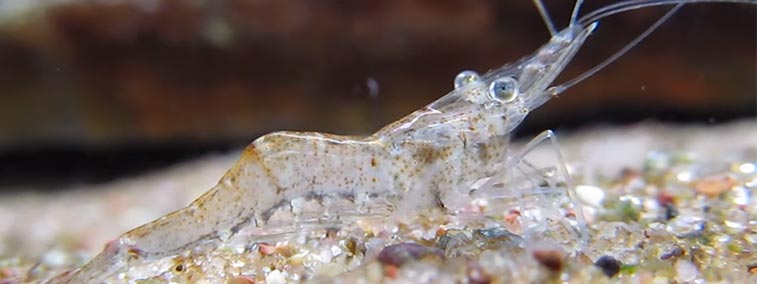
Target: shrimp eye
504	89
466	77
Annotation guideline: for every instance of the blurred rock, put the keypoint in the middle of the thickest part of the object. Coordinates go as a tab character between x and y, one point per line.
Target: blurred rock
112	88
151	71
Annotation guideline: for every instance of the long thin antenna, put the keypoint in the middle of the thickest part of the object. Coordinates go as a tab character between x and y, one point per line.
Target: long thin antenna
545	16
574	14
570	83
623	6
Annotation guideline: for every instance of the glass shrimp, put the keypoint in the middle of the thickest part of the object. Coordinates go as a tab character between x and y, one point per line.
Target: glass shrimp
434	157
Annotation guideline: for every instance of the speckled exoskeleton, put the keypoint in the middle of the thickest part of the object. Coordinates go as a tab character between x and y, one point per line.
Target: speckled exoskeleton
434	157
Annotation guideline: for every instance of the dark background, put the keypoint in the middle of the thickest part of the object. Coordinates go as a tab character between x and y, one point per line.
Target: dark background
95	90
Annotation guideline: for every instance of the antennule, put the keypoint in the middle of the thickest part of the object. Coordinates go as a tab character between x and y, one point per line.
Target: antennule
570	83
545	16
629	5
574	14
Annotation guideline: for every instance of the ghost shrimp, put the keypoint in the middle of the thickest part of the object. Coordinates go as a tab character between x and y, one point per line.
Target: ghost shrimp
440	156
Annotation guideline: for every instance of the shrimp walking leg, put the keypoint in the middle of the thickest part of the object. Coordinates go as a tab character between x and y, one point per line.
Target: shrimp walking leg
548	188
549	136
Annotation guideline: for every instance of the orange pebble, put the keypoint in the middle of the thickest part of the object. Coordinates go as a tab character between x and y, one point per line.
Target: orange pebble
713	186
241	280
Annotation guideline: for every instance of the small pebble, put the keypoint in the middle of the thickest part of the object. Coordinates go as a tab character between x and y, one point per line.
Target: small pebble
609	265
667	202
685	226
713	186
275	277
391	271
628	174
6	273
590	195
551	259
286	250
241	280
266	249
746	168
373	273
670	211
454	238
179	268
685	271
739	195
512	216
398	254
496	237
676	252
477	275
752	268
665	199
54	258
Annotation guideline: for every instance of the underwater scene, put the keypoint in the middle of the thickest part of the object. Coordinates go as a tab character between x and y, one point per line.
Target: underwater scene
367	141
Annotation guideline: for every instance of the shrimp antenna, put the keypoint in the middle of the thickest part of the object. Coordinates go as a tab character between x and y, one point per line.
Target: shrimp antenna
545	16
570	83
574	14
623	6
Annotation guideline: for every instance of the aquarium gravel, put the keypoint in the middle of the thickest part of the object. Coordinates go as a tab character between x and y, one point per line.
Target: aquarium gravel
663	204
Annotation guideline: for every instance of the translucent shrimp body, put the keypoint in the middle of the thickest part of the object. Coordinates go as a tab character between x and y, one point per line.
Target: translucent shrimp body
429	158
434	157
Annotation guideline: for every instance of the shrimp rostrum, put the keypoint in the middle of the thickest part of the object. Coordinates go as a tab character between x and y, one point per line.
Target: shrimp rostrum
440	156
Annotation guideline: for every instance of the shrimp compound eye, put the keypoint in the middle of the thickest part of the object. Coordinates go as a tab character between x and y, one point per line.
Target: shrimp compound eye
504	89
465	78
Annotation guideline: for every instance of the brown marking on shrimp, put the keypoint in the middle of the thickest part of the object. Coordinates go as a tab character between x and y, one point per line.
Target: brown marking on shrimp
427	154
